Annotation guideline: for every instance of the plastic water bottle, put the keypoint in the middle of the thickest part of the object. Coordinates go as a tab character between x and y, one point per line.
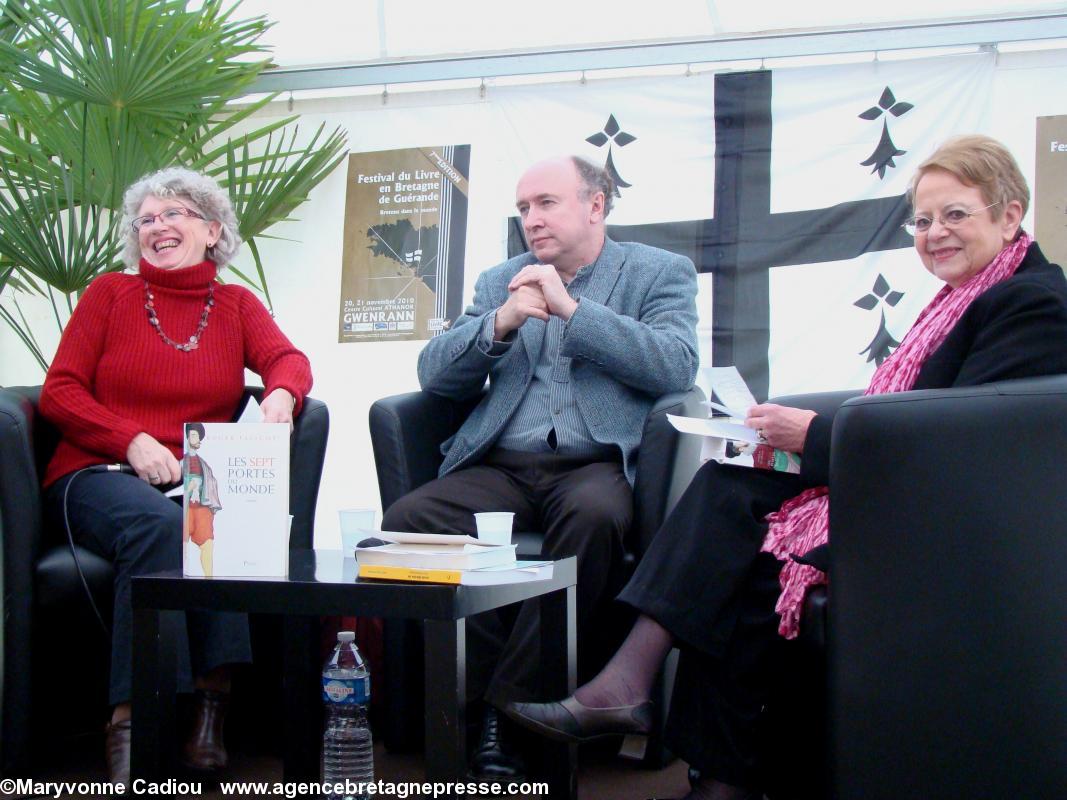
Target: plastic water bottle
347	749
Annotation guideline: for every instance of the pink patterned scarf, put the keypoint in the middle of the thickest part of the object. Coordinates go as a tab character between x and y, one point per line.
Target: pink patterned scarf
803	522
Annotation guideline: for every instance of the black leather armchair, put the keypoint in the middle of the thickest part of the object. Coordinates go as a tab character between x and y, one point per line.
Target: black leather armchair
948	646
406	433
938	668
55	655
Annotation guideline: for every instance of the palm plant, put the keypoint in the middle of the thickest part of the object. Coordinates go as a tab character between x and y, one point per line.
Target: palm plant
97	93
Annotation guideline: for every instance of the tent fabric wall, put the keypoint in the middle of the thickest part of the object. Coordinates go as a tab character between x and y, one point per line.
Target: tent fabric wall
816	331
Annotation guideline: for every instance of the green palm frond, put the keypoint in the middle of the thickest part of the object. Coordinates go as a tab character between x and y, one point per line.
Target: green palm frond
151	57
266	187
95	94
47	237
17	322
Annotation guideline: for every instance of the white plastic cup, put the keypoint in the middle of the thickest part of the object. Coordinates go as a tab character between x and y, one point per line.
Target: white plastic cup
494	527
356	524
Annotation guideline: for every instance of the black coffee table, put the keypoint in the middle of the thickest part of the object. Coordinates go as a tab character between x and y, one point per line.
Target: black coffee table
325	583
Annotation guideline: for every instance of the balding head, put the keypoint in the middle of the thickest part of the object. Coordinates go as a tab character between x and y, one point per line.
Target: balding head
562	216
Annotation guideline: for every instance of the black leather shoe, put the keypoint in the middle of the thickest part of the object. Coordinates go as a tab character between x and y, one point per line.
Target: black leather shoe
494	759
117	752
204	750
570	721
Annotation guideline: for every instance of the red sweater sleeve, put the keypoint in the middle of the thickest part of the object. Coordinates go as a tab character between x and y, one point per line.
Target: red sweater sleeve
270	354
66	398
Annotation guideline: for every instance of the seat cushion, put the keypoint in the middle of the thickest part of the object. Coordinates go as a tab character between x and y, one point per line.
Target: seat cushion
528	545
58	585
814	618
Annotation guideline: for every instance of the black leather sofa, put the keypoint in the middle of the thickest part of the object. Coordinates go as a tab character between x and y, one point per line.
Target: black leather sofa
55	655
406	434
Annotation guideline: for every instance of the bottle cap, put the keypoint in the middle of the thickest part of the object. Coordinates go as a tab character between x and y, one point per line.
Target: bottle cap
346	636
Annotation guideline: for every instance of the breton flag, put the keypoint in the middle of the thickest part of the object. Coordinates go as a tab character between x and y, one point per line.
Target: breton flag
785	187
846	141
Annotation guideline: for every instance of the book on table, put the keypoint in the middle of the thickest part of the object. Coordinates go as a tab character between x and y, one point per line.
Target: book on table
235	497
434	551
517	572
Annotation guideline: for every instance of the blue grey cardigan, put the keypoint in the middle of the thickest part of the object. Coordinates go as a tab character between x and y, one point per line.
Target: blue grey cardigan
632	339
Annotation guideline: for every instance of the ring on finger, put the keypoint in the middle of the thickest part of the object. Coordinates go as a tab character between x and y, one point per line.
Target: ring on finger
759	435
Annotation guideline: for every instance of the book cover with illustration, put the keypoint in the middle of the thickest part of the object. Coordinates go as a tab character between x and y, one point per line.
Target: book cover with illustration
235	489
748	454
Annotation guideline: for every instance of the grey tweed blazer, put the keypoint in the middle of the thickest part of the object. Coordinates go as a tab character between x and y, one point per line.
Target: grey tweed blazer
631	340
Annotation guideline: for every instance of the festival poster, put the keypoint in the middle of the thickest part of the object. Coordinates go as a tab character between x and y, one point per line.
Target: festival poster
1050	188
404	239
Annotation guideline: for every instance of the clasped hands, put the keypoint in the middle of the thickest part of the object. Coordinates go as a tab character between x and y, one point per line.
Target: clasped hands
536	291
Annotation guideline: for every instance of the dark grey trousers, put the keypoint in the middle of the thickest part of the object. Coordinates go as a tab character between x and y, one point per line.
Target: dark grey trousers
584	509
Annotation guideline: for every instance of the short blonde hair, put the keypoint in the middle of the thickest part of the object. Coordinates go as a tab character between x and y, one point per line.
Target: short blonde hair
201	191
981	162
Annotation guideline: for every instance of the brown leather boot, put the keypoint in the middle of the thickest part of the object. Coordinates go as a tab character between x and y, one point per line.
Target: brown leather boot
117	752
205	750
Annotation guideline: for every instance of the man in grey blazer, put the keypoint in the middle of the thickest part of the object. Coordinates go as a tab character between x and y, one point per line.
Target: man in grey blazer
578	338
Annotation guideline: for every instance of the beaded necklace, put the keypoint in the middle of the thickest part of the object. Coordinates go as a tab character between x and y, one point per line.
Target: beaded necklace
194	340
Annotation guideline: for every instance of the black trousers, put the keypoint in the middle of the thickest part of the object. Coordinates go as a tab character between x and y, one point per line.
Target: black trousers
584	509
704	579
131	524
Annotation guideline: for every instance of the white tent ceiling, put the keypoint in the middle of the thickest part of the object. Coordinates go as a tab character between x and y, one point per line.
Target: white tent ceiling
321	32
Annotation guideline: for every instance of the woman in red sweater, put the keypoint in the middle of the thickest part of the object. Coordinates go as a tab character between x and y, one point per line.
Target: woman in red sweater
145	351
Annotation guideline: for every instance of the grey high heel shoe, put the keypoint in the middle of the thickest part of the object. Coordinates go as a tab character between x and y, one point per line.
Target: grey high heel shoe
570	721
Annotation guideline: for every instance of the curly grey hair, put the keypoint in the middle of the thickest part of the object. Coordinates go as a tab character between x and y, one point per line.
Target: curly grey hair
201	191
595	179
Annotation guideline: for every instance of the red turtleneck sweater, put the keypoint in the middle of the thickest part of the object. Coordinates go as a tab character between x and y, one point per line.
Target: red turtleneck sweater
114	377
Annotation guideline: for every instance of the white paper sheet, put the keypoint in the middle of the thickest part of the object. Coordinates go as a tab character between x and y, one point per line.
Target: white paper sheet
730	388
429	538
733	413
252	412
714	427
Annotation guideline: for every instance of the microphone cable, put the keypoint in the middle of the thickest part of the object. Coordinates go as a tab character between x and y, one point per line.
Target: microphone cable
70	536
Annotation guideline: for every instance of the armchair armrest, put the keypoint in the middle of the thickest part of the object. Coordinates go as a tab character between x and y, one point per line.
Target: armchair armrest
821	403
948	517
20	546
666	462
307	452
20	489
406	434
